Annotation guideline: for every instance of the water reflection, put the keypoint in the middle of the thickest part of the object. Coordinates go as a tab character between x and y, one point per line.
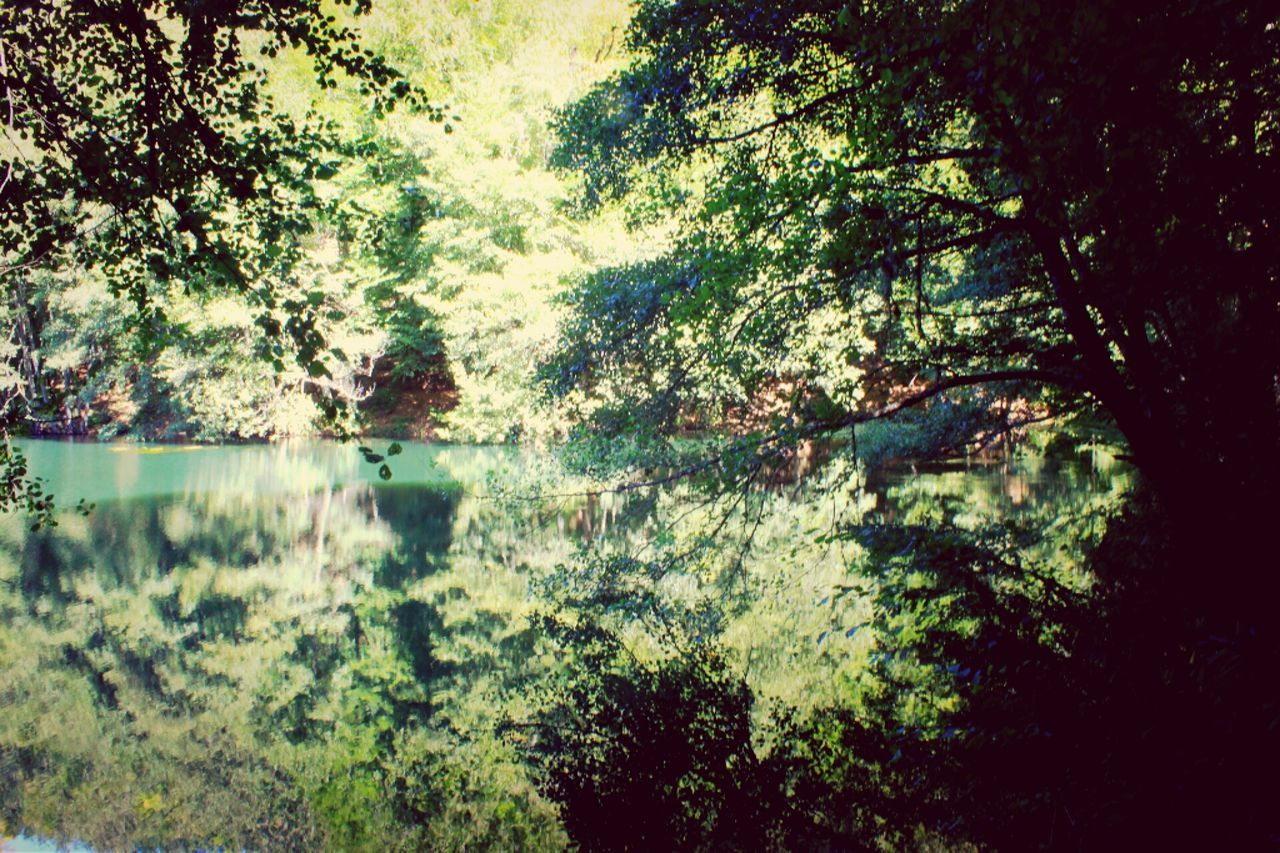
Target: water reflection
268	647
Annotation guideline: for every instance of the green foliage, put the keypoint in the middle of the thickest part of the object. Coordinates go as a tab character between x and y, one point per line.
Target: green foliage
267	643
201	376
183	172
998	704
859	233
461	240
18	489
879	205
144	158
664	754
922	226
337	266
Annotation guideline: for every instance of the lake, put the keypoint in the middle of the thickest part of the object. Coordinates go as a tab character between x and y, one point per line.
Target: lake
268	647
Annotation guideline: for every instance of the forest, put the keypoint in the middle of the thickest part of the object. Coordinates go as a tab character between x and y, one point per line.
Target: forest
669	424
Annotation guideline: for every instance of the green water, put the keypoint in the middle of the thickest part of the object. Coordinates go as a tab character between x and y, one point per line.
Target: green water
267	647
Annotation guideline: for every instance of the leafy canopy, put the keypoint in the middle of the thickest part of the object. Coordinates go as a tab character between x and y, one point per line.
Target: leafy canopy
140	135
881	203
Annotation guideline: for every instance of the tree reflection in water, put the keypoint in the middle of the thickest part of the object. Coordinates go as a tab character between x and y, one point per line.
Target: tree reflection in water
219	660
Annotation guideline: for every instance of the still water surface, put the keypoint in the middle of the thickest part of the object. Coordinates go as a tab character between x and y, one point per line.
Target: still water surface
268	647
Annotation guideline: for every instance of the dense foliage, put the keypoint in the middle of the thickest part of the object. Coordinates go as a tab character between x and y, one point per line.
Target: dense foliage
142	140
974	215
880	203
195	671
742	256
393	273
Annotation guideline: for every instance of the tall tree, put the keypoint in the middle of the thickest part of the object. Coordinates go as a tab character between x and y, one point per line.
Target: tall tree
909	198
884	207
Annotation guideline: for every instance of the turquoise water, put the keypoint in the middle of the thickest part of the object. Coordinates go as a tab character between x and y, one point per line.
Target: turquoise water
117	471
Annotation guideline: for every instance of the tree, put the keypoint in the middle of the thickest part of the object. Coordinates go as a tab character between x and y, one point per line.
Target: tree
890	202
883	208
139	138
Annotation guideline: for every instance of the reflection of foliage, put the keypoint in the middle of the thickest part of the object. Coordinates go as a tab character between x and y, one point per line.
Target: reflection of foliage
1033	706
974	667
648	757
965	661
194	790
989	700
662	753
331	664
255	673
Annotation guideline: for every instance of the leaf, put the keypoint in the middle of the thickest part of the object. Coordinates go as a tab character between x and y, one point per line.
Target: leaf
385	471
395	449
